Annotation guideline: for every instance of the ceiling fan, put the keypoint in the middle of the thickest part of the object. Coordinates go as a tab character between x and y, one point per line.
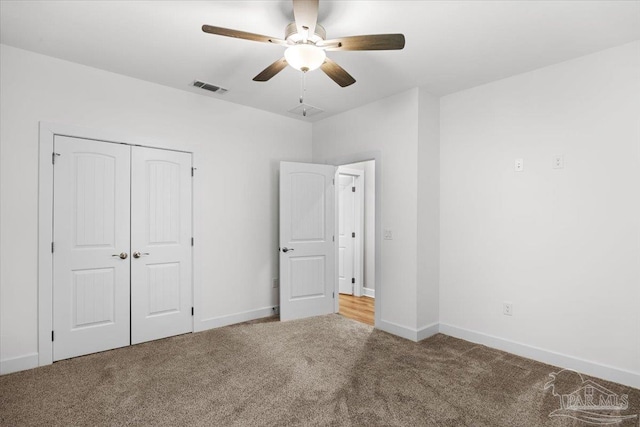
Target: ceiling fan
306	44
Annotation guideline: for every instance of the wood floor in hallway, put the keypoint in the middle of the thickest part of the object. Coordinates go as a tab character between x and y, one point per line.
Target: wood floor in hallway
357	308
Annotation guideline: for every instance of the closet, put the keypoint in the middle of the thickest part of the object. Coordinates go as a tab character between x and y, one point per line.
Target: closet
122	245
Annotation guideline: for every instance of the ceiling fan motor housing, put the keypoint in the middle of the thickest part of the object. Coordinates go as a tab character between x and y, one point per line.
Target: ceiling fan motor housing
291	34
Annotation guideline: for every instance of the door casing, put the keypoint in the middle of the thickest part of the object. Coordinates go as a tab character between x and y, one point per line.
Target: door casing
379	286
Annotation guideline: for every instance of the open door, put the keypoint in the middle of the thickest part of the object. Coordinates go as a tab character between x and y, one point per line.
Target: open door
307	247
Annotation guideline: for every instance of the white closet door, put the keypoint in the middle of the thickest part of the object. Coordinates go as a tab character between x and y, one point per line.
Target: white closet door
307	249
161	297
91	236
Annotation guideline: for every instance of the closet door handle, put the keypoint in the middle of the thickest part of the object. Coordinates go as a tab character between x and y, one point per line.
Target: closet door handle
285	250
139	254
122	255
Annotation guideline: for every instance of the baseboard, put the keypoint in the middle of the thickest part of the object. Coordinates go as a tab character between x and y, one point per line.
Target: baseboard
21	363
399	330
406	332
609	373
231	319
368	292
427	331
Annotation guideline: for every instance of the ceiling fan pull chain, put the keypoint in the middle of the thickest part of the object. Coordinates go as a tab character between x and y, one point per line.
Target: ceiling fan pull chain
303	87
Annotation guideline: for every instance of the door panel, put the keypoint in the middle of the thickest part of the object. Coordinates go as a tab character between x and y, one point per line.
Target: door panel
307	209
91	225
346	226
161	298
164	295
308	275
307	257
93	297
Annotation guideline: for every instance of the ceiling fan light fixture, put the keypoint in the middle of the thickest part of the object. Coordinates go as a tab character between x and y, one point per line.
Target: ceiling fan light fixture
305	57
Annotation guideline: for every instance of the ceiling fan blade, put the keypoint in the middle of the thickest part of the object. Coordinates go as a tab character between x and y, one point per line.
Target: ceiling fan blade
241	35
306	16
271	70
337	73
370	42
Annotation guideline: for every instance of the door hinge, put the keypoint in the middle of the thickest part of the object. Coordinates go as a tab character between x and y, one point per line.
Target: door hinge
334	294
353	189
353	280
333	238
353	234
192	241
52	247
192	311
51	335
53	157
193	171
333	181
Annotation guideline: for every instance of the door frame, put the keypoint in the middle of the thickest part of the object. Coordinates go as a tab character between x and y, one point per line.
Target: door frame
358	249
357	158
47	133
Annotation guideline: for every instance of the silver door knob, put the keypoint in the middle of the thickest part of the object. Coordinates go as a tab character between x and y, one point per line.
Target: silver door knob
139	254
122	255
287	249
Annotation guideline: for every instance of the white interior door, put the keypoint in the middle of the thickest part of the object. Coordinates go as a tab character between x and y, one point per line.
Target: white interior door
307	247
161	299
346	233
91	237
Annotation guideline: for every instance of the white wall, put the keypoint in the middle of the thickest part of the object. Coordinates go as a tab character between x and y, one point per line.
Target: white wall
237	151
369	168
389	126
563	245
428	285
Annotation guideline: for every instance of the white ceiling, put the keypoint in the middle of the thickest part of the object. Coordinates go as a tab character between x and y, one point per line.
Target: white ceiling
450	45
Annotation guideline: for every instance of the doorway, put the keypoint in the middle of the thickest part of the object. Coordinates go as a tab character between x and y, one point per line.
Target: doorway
308	249
355	185
121	248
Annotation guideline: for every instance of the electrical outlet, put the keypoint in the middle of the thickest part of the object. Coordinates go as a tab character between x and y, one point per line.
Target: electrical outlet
507	309
558	162
519	165
274	282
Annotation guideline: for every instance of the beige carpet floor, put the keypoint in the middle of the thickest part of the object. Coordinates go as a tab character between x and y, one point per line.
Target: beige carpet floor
314	372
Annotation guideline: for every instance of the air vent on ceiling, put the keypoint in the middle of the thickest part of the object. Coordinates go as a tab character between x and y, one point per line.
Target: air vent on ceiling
208	86
306	110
